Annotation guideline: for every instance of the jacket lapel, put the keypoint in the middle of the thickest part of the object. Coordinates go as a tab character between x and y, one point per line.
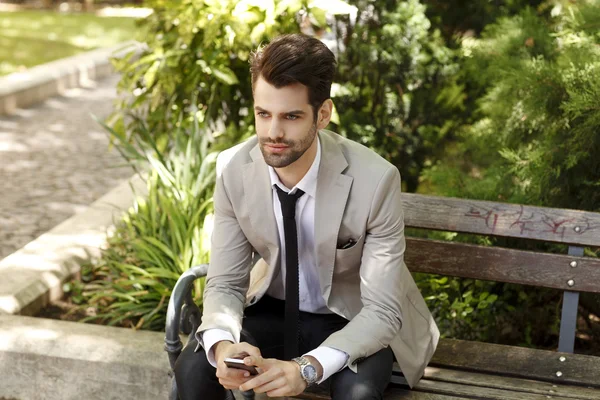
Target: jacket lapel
333	189
259	198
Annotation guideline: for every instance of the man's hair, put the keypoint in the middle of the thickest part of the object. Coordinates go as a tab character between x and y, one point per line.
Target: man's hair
296	58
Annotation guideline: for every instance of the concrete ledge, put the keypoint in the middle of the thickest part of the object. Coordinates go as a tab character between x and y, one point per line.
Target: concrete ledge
20	90
33	275
58	360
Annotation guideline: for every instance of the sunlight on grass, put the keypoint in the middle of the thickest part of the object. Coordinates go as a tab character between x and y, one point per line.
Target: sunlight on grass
29	38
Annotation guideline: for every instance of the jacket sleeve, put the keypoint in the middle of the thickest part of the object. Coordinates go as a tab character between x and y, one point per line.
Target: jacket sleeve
229	271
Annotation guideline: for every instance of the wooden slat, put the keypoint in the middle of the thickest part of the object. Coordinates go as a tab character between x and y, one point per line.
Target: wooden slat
477	392
503	265
509	383
390	394
502	219
576	369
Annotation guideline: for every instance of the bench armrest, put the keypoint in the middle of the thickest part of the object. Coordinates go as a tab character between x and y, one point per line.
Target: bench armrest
182	313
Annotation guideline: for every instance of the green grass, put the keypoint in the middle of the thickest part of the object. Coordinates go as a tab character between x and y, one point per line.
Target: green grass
29	38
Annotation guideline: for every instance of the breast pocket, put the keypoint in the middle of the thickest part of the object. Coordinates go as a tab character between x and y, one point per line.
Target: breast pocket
348	260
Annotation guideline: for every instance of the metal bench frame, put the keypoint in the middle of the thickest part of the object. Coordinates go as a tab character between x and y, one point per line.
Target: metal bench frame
183	315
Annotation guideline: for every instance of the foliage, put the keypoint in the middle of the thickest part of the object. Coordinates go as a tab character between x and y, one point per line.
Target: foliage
29	38
396	92
161	236
532	140
200	49
499	313
535	136
457	17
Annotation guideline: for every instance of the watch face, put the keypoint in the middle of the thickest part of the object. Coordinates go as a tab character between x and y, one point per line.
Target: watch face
310	373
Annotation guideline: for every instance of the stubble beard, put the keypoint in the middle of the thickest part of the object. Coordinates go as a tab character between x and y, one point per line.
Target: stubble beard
294	151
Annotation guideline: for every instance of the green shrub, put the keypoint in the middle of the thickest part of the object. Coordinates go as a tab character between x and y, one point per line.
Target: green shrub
160	237
532	140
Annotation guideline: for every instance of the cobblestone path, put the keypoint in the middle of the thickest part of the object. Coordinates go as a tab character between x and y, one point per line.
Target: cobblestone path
54	162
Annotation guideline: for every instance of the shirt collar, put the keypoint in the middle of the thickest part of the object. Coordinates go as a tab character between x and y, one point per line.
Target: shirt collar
308	184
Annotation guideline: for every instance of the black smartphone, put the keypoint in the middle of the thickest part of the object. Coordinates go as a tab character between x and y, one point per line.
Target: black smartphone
239	364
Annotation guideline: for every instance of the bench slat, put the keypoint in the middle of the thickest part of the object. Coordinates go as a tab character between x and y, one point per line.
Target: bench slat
390	394
475	392
502	219
503	265
509	383
576	369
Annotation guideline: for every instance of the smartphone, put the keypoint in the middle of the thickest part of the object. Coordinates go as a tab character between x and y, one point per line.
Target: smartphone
239	364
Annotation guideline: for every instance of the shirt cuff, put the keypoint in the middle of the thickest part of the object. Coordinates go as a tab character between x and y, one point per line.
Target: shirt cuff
332	360
211	337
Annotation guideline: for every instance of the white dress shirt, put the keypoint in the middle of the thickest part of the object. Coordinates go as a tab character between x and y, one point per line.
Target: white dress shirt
311	300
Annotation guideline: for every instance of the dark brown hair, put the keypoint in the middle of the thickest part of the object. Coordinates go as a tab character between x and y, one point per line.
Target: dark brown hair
296	58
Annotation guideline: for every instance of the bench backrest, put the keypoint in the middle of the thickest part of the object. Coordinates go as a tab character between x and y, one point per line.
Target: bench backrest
567	272
571	273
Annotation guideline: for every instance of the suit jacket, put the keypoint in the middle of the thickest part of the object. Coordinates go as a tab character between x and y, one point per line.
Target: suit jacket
358	197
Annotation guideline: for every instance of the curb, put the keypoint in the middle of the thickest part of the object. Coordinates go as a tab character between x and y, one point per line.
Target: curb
59	360
20	90
33	276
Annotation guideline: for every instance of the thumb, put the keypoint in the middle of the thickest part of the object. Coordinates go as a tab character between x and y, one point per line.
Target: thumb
255	360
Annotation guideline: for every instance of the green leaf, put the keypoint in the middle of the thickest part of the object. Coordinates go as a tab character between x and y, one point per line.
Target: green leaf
225	75
150	75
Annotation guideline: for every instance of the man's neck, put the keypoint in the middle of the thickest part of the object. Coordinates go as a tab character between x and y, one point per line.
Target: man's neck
293	173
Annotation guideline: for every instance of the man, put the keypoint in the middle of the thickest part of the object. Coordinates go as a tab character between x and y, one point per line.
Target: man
325	215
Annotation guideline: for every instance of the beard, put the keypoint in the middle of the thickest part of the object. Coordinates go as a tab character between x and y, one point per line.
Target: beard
295	149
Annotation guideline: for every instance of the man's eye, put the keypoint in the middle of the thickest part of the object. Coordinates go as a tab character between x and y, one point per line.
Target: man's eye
292	117
262	114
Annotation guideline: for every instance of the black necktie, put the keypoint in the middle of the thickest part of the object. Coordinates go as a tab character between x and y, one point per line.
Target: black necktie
292	295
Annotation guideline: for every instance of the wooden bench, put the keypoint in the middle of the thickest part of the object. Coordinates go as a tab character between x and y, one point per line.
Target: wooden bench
465	369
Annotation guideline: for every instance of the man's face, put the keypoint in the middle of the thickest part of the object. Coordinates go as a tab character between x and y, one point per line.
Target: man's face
284	122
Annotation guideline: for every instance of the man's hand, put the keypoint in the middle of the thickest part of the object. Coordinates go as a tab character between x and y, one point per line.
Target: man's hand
231	378
277	379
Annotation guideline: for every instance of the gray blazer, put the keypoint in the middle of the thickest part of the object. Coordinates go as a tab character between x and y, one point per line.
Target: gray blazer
358	197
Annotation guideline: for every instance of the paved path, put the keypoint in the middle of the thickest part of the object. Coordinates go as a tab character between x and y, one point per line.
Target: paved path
54	162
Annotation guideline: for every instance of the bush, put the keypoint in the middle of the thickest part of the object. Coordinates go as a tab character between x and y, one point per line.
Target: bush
533	140
161	236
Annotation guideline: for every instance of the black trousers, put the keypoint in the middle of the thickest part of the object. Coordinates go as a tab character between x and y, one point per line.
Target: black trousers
263	327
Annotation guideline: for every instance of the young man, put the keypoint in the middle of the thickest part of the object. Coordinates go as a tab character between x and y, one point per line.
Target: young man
333	300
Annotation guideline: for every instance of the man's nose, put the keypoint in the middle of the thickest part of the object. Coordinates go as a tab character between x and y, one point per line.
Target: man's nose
275	131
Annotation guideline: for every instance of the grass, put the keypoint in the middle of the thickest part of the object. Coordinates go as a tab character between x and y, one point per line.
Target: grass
29	38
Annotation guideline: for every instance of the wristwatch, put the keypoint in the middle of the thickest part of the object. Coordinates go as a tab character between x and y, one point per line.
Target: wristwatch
307	370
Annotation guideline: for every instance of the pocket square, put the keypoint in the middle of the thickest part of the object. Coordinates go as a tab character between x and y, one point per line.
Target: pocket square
350	243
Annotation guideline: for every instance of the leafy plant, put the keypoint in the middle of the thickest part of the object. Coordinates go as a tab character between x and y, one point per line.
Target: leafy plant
195	66
161	236
396	89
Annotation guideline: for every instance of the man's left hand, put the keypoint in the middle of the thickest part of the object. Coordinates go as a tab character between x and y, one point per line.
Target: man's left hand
277	379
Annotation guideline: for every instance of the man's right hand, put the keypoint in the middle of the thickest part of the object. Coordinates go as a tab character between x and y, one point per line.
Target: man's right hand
232	378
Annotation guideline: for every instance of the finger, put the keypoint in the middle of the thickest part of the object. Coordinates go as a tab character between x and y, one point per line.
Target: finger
279	383
233	383
223	371
262	379
250	350
257	361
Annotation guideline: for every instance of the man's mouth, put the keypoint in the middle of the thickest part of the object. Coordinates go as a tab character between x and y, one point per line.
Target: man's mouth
276	148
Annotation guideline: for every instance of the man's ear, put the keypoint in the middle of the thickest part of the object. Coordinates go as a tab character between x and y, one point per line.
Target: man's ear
324	114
